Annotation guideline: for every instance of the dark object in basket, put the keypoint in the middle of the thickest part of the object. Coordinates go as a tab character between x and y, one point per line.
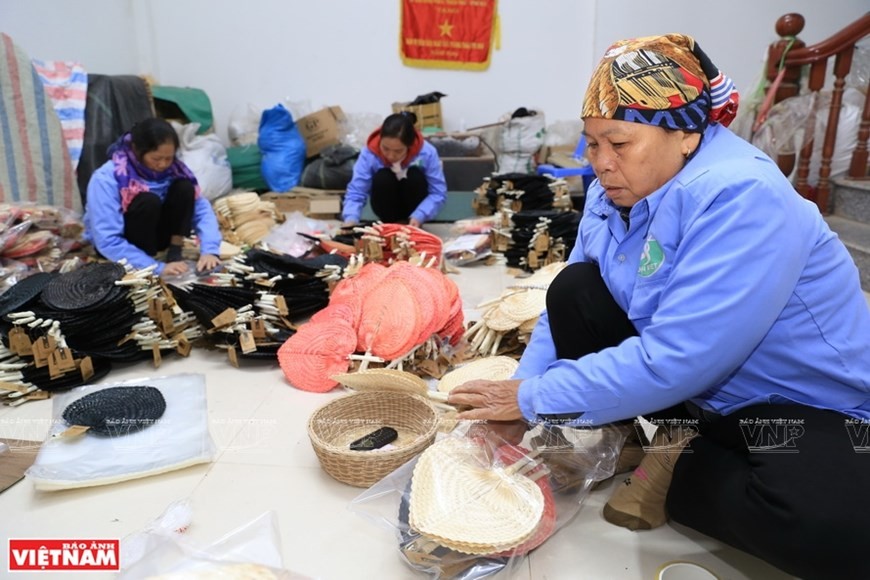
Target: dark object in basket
117	410
375	439
85	288
23	292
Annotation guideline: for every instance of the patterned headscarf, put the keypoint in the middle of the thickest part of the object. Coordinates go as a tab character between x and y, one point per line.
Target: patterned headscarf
131	173
665	81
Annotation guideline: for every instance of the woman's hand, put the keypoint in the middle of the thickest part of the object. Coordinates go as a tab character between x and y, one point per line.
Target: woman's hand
415	222
492	400
347	224
174	269
207	262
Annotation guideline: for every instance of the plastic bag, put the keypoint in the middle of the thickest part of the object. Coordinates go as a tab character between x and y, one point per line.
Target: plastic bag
333	168
484	502
252	551
563	133
468	249
206	157
783	132
244	125
286	239
178	439
357	128
282	147
518	141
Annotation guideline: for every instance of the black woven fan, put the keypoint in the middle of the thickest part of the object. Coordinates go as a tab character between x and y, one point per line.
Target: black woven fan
282	264
117	410
25	291
41	378
84	288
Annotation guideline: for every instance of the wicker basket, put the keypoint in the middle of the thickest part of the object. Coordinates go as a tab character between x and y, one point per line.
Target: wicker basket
335	425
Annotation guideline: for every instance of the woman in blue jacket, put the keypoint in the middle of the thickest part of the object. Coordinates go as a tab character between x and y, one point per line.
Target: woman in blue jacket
145	200
705	294
400	172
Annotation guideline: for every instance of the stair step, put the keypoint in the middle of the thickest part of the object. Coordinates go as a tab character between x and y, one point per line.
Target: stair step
852	199
856	237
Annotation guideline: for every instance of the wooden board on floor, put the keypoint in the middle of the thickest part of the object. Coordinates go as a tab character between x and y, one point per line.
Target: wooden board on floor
15	461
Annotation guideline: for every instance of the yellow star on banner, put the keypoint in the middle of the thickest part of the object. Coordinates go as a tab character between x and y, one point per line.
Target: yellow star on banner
446	28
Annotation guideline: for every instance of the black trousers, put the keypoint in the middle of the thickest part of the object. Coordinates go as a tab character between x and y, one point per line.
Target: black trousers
786	483
394	199
149	224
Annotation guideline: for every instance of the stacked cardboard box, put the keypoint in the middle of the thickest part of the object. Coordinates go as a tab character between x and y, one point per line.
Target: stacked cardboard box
316	203
428	115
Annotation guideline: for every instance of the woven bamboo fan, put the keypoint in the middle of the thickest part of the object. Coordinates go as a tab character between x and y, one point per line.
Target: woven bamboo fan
460	501
388	380
493	368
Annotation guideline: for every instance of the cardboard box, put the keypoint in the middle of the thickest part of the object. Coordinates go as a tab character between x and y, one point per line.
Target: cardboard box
428	115
319	203
321	129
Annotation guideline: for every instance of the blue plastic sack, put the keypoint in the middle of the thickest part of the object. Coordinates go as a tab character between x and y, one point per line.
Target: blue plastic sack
282	147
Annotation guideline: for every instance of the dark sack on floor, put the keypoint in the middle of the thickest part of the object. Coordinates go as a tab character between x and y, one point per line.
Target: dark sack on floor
333	169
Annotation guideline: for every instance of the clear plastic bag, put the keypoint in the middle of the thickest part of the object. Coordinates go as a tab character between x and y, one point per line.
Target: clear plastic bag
244	125
252	551
784	130
11	236
468	249
286	239
180	438
477	501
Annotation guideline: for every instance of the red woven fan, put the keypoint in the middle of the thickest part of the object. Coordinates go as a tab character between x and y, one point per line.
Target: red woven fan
317	351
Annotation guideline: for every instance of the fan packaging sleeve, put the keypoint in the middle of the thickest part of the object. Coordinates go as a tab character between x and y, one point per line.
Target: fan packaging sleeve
482	497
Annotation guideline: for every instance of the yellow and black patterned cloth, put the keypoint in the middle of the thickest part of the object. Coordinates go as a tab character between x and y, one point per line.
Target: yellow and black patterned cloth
666	81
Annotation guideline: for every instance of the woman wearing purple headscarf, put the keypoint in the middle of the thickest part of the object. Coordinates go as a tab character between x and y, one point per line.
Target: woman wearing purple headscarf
145	200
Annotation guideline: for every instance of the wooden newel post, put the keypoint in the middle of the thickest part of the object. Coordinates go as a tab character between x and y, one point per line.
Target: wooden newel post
788	27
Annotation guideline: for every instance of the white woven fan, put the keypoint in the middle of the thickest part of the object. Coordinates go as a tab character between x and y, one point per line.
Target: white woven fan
388	380
493	368
463	503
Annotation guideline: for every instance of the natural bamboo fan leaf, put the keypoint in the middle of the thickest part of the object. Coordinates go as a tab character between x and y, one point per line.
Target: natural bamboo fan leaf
497	319
508	455
493	368
383	380
524	305
467	505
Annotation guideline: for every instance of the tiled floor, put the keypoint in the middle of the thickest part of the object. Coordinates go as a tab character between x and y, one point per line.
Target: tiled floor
265	462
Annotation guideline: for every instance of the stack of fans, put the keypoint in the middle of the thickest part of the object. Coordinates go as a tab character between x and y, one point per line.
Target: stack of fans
465	508
250	309
245	219
62	330
535	223
35	237
516	192
388	313
388	243
507	321
538	238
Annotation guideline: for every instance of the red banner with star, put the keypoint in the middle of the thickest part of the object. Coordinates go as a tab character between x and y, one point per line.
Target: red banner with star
455	34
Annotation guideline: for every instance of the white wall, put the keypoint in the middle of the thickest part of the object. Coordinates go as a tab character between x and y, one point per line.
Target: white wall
345	52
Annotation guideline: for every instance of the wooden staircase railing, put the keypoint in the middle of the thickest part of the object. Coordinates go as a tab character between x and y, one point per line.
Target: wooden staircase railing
788	58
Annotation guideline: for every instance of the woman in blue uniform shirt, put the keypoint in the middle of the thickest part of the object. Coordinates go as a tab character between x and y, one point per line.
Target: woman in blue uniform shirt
704	291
